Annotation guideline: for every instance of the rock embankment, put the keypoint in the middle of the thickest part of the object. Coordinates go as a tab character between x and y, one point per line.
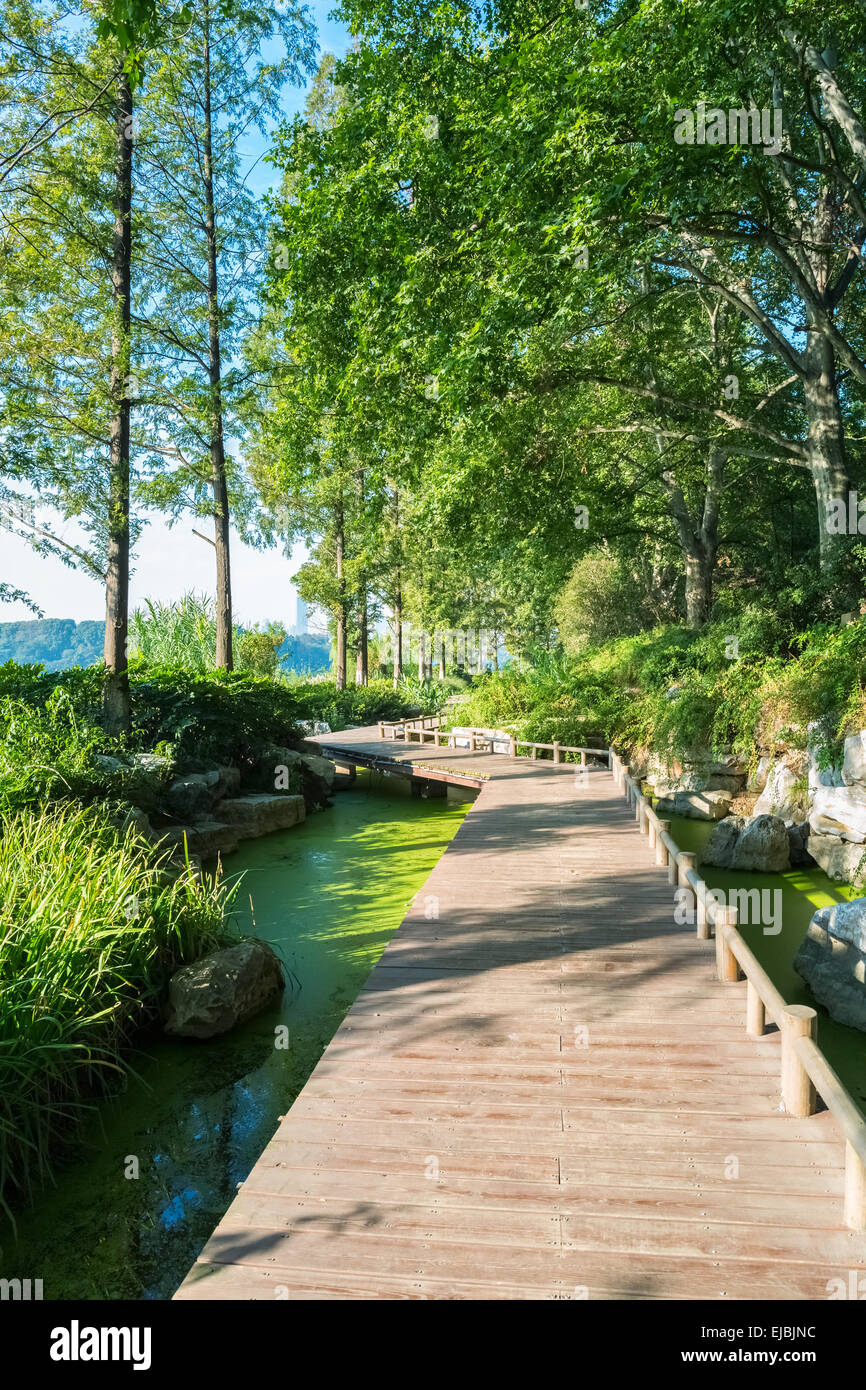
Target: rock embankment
832	961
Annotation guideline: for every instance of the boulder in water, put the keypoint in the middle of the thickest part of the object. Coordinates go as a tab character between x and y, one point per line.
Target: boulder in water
756	845
222	989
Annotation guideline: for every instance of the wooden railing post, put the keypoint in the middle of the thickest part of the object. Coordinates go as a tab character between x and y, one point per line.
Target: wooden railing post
686	861
756	1017
381	728
471	740
855	1189
556	750
642	822
701	914
798	1091
661	850
512	746
727	969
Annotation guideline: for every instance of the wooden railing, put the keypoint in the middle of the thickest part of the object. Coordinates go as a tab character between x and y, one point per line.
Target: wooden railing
805	1071
480	741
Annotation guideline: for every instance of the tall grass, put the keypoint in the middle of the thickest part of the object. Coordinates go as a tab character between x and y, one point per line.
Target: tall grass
181	634
90	931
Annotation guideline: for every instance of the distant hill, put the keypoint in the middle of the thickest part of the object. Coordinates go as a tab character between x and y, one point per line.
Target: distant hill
61	642
56	642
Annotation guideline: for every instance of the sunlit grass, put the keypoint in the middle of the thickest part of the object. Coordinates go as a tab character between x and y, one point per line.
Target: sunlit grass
90	929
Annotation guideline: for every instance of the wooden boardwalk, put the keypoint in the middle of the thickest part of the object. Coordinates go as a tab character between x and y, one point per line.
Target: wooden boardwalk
541	1092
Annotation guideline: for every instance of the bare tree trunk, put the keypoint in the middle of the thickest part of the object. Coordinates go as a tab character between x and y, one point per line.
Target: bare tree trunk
422	655
443	639
825	440
116	689
362	654
398	603
398	634
224	654
479	653
341	603
495	651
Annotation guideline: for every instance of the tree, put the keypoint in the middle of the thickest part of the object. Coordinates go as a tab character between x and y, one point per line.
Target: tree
203	246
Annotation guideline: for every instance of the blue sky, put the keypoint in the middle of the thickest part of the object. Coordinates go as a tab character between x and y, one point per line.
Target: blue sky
170	561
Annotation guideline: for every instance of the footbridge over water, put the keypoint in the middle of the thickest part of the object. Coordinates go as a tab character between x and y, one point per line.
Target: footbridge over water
548	1089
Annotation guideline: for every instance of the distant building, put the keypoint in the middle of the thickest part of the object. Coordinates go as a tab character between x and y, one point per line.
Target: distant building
300	626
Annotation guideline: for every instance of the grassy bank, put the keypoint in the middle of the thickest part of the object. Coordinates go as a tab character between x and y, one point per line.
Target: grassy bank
89	933
748	684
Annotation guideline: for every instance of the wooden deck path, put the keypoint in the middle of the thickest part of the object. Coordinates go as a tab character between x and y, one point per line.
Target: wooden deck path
542	1092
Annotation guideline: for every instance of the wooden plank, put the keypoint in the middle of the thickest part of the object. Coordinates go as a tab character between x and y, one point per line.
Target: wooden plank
540	1093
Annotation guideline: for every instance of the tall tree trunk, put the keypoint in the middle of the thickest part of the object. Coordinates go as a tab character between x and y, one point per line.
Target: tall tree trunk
443	638
362	656
116	690
479	653
495	652
422	655
398	632
341	600
224	654
398	602
825	440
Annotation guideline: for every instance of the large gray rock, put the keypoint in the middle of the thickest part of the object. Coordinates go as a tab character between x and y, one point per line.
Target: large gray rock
756	845
798	846
758	777
832	961
192	796
719	848
309	727
784	794
220	990
205	839
762	846
154	764
840	811
320	767
840	860
854	761
712	805
261	813
697	773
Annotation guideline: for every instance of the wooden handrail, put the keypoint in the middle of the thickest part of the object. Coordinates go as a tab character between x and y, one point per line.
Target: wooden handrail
805	1071
413	726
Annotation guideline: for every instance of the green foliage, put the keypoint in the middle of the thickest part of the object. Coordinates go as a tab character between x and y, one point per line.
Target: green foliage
357	705
601	600
51	739
259	651
180	634
89	934
676	691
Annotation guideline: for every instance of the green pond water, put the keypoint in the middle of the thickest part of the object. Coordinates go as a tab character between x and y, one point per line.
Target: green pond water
327	895
803	892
